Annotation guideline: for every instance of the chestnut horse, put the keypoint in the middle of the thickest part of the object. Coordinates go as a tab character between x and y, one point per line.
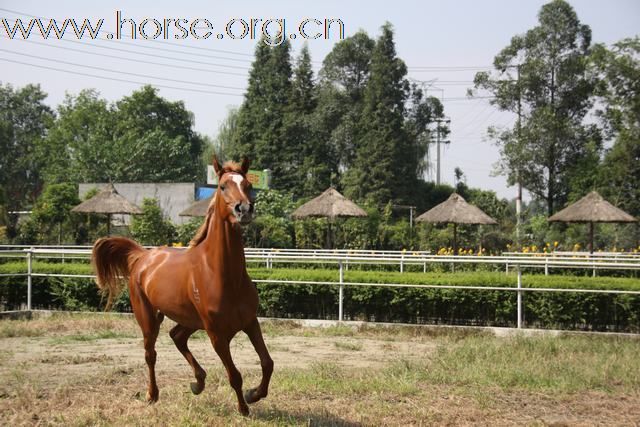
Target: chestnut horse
204	287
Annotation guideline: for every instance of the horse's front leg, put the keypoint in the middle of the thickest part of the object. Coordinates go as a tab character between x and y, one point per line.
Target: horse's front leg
221	346
255	335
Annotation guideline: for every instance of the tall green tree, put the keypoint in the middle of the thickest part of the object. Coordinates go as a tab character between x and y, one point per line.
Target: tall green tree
260	131
24	122
343	78
553	91
310	159
619	86
381	151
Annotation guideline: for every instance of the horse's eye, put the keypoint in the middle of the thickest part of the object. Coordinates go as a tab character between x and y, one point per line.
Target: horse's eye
222	187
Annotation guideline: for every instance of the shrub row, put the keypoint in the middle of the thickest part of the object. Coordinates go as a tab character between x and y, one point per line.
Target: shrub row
566	310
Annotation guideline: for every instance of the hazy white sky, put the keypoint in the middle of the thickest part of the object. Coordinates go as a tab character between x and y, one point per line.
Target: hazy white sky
442	42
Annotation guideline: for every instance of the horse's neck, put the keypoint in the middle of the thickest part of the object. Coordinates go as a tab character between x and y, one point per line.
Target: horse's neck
224	241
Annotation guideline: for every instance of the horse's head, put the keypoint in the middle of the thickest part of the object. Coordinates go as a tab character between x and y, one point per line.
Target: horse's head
235	190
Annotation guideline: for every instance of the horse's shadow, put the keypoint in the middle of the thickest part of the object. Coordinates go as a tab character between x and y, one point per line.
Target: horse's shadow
309	418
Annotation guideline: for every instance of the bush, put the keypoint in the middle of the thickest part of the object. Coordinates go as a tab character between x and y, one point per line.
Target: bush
566	310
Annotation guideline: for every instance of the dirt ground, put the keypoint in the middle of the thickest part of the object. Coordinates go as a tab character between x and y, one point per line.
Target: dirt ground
66	377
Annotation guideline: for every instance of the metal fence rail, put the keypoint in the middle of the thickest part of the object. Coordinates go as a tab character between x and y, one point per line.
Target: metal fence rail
342	259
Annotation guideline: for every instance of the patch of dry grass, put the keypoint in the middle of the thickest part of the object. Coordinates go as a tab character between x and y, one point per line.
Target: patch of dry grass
466	379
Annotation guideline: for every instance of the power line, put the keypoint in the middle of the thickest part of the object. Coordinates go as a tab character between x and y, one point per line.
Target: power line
467	124
117	79
154	55
103	55
122	72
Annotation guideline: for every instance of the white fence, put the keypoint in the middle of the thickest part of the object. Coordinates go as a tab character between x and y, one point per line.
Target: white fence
343	258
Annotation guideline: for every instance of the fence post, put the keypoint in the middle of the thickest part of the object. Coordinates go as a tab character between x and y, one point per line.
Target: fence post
402	262
519	303
546	266
341	293
29	271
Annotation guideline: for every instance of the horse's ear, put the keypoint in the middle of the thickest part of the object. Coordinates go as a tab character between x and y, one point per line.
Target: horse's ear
245	165
216	165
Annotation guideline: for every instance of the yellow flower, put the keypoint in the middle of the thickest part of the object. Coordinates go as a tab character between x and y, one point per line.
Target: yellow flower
555	244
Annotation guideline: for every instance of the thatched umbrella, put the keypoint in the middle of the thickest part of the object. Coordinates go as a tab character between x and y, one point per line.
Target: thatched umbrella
108	201
591	208
455	210
331	205
199	208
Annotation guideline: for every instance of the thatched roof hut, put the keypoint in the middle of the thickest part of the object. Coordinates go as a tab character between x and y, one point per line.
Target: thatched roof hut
108	201
330	204
199	208
591	208
455	210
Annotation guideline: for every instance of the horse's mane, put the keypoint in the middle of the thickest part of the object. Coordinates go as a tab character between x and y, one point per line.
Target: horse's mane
202	232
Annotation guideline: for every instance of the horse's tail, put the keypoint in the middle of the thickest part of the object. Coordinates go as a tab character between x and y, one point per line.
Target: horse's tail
112	258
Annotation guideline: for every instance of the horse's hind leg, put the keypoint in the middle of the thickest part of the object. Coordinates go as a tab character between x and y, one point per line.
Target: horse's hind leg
255	335
149	320
180	335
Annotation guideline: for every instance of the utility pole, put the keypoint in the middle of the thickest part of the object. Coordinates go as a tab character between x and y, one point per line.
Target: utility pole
518	182
519	139
439	121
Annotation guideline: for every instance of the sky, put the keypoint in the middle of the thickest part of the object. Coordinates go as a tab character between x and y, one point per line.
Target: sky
443	43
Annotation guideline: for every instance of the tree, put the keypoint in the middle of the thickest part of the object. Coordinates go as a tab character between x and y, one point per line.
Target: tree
381	150
553	92
422	111
619	85
79	146
273	227
142	138
310	160
24	121
151	228
53	210
155	139
343	78
260	127
223	141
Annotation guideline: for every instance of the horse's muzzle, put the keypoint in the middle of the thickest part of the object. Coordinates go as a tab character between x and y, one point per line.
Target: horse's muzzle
244	212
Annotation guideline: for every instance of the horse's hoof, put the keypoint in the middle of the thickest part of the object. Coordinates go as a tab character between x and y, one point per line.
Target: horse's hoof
152	399
196	388
250	396
244	410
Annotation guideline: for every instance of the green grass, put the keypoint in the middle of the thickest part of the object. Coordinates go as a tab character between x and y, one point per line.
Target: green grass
93	336
348	346
535	364
557	364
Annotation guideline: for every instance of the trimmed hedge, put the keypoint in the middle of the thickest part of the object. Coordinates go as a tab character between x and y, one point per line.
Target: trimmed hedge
565	310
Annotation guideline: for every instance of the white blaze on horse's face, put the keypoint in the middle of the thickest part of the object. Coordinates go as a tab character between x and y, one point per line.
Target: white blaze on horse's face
241	203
